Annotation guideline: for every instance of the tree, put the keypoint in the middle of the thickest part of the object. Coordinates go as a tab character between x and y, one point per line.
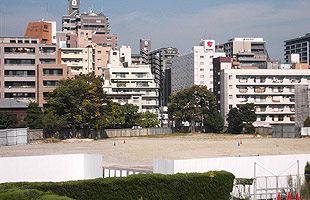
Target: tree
148	120
115	117
307	122
7	120
307	172
34	116
193	104
214	122
81	101
240	120
234	119
131	115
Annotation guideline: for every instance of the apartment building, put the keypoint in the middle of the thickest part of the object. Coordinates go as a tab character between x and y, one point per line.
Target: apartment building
247	51
127	83
271	90
86	60
299	45
195	68
20	59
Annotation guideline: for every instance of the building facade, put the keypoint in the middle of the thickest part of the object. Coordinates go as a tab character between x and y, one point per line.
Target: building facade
299	45
127	83
271	90
195	68
20	61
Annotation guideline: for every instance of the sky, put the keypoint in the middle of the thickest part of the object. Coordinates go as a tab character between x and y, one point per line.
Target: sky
175	23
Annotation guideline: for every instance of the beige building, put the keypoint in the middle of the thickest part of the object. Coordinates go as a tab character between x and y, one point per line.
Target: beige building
86	60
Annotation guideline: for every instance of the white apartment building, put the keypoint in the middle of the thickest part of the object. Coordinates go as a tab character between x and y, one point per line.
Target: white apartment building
271	90
132	84
195	68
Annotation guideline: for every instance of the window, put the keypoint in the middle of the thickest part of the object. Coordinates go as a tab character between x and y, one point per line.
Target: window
230	96
202	63
230	77
202	76
201	69
201	56
202	82
230	87
230	106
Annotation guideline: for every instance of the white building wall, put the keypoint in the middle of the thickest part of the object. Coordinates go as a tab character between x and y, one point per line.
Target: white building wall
241	167
271	90
50	168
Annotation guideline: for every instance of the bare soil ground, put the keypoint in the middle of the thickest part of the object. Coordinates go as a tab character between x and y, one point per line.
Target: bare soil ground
140	152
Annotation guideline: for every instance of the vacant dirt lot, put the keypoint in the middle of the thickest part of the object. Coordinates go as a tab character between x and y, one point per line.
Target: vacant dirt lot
140	152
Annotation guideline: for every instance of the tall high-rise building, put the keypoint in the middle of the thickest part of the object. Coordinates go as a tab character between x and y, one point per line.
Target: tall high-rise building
299	45
74	7
160	61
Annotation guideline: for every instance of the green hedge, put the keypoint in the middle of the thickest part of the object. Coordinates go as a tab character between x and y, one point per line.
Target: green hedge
25	194
214	185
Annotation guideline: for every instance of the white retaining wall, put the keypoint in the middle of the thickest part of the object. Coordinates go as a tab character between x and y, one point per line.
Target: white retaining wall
241	167
10	137
305	131
50	168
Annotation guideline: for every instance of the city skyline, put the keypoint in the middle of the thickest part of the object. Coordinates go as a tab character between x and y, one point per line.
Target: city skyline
182	23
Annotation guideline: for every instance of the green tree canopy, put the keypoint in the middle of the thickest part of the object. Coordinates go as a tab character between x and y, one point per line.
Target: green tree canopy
34	116
81	101
193	104
214	122
148	120
7	120
240	120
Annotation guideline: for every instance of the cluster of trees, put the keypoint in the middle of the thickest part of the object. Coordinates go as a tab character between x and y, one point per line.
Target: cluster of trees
197	105
81	104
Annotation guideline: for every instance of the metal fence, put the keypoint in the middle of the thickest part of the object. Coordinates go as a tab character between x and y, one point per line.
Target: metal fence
111	133
10	137
270	187
122	172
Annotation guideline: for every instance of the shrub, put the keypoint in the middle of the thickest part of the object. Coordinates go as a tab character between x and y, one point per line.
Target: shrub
211	185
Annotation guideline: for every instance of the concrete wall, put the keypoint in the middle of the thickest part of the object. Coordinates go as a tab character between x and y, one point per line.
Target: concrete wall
111	133
52	168
10	137
284	131
241	167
